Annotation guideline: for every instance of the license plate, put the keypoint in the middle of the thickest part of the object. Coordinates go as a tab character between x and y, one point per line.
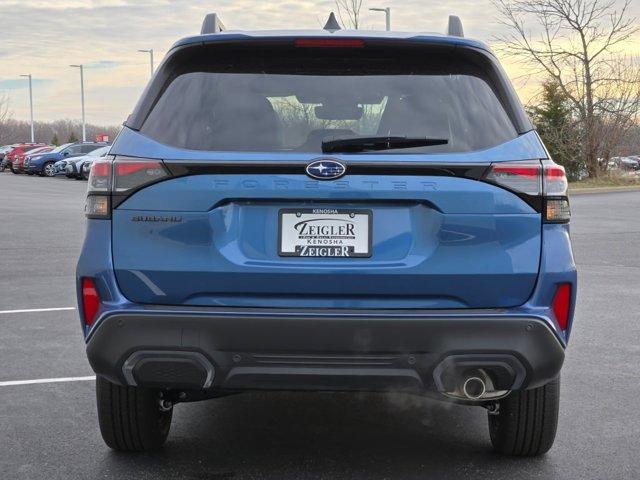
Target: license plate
325	232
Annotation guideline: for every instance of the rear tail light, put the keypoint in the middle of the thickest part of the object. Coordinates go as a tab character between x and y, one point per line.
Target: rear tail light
523	177
557	209
90	301
98	206
131	174
112	181
562	305
555	180
534	179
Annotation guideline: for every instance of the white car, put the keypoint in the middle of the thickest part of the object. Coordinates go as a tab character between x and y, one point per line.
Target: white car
74	166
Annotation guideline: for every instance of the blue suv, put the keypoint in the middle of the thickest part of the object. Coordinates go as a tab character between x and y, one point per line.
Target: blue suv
43	165
327	211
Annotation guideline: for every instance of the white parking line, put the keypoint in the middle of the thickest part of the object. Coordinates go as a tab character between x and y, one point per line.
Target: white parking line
36	310
47	380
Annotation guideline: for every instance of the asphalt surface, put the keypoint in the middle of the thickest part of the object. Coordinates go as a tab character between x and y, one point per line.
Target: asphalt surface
49	431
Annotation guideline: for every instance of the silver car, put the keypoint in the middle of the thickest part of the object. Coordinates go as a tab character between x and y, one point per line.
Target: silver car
74	166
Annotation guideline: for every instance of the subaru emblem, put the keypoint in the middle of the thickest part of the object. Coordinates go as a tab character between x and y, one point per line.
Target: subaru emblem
326	169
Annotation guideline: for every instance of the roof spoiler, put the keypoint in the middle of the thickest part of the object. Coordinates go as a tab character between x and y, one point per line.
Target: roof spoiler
454	29
212	24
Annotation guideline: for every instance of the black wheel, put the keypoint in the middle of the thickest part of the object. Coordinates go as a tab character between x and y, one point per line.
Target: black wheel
48	170
130	417
526	422
13	170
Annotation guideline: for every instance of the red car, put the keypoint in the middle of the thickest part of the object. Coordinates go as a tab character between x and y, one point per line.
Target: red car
15	158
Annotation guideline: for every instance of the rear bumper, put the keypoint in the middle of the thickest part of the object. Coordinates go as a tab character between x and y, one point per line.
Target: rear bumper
248	349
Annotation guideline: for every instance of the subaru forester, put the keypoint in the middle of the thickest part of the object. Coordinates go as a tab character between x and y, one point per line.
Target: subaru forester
327	210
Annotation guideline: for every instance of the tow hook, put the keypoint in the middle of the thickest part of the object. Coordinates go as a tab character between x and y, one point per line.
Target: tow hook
493	408
169	399
165	405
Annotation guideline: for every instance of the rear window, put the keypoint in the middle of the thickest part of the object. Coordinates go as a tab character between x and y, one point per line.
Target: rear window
292	103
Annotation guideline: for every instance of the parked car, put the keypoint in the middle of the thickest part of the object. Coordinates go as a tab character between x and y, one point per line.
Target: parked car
15	157
406	232
73	167
60	167
623	163
3	152
44	164
32	153
86	170
32	160
630	163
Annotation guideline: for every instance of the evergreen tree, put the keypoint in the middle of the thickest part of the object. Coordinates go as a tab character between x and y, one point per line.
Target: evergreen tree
55	141
555	122
72	138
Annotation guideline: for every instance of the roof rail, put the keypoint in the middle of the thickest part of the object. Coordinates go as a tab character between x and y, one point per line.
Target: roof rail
212	24
454	29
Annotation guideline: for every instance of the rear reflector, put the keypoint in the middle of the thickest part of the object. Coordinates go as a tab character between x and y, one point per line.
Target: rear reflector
329	43
562	305
90	301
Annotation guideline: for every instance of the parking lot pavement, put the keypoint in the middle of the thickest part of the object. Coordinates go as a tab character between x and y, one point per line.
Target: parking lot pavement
49	430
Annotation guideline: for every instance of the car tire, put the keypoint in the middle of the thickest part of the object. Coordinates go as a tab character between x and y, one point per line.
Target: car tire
13	170
130	417
47	170
526	422
85	174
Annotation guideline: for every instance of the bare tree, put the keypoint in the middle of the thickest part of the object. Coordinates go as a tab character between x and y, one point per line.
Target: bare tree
5	114
349	13
577	44
15	131
617	107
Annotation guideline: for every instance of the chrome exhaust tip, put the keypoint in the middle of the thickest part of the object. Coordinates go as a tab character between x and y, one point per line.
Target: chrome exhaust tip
474	388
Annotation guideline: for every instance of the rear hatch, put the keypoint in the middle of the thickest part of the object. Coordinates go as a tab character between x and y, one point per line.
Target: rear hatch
266	193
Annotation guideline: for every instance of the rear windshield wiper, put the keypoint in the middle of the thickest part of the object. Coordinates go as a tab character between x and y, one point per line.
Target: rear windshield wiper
361	144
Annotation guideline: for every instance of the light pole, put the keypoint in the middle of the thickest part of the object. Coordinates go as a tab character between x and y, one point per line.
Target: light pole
84	126
387	12
150	52
33	136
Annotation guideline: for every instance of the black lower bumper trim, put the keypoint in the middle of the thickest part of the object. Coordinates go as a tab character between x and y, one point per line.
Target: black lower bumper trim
298	351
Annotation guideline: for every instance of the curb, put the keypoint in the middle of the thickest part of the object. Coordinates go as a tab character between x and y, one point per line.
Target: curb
586	191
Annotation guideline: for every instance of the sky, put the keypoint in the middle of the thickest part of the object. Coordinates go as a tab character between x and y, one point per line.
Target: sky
43	37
